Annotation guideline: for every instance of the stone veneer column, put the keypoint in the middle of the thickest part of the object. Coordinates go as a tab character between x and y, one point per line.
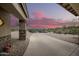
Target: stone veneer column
22	31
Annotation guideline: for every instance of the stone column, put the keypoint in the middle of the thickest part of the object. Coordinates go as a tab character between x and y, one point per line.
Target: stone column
22	31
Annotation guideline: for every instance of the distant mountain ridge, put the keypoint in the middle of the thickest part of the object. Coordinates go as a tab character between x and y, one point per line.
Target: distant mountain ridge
45	23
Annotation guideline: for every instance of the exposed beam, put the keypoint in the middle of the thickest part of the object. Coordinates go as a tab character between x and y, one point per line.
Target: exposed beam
70	8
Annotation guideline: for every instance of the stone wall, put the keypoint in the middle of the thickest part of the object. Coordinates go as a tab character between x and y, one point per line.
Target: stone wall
3	41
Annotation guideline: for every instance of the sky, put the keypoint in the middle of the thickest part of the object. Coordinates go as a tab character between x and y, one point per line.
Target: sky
45	12
48	10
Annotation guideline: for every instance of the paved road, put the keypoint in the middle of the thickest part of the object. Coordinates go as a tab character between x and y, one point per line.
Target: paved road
65	37
45	45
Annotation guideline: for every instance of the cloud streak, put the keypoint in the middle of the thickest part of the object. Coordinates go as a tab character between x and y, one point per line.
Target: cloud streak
39	15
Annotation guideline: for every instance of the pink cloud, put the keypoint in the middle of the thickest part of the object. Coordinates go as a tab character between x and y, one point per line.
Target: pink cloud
40	15
45	26
61	21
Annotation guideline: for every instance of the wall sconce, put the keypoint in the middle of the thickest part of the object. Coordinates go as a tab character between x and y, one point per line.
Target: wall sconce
1	21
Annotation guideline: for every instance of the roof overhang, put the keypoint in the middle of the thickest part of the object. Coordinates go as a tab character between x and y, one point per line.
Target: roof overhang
17	9
71	7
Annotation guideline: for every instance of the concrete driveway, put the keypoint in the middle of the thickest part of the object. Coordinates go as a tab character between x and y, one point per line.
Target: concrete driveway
45	45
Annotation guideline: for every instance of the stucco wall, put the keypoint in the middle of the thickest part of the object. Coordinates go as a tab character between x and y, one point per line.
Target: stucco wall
5	28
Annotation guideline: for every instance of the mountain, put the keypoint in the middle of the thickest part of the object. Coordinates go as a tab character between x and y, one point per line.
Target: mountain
45	23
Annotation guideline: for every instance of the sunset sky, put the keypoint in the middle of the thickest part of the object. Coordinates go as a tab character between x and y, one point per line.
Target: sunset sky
45	15
48	10
43	12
